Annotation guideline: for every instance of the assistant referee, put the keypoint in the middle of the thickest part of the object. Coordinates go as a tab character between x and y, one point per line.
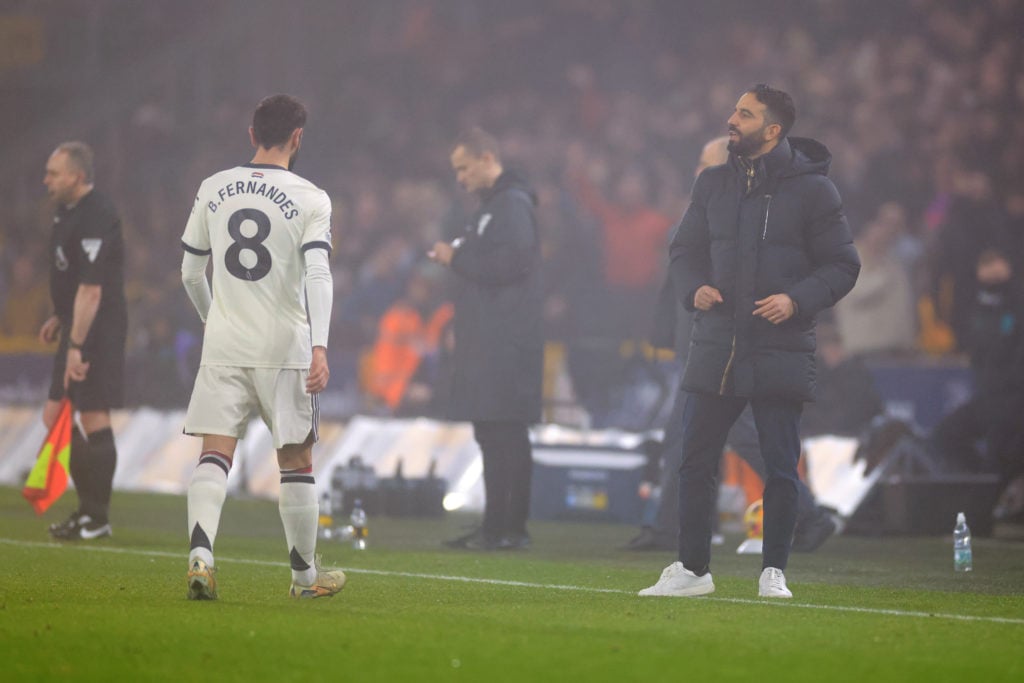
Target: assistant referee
90	321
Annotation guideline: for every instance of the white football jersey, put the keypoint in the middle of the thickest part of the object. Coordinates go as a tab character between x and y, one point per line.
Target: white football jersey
255	221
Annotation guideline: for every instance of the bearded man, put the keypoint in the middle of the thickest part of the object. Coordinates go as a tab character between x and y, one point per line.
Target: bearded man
762	249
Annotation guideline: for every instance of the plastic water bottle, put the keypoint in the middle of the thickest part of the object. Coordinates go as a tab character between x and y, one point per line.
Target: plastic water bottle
962	559
325	520
359	531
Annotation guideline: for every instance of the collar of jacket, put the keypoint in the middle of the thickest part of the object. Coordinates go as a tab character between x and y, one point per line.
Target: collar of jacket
500	183
509	179
769	165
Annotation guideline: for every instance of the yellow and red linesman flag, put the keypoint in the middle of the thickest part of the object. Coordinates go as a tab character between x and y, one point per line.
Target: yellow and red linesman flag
49	476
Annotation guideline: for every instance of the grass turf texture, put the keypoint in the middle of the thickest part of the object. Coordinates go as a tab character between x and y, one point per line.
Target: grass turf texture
115	609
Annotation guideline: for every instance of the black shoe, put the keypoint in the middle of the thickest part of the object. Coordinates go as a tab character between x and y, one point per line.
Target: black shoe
483	542
80	527
63	527
649	539
476	540
461	541
810	534
515	542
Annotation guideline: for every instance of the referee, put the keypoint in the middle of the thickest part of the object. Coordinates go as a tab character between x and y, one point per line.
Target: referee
90	323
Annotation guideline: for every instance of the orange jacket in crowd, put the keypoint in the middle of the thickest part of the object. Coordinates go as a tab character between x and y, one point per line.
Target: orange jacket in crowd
635	239
403	339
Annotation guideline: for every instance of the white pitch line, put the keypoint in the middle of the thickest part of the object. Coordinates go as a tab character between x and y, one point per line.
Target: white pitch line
543	586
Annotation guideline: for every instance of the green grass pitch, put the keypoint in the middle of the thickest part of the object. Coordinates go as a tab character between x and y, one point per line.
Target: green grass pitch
882	609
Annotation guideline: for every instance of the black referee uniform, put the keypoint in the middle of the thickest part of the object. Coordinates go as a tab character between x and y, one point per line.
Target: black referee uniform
86	248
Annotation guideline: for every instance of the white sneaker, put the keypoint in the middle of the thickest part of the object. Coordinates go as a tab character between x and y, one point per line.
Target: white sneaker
678	581
772	584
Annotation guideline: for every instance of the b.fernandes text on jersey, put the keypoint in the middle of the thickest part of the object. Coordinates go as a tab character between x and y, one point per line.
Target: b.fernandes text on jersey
255	187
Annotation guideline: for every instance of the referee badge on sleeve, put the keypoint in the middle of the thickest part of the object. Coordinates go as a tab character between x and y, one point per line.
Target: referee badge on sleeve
91	247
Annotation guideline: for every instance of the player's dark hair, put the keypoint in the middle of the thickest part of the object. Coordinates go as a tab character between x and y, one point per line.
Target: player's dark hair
477	142
276	118
80	156
779	107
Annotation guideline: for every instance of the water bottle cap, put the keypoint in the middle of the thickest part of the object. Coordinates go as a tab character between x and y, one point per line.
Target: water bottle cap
960	518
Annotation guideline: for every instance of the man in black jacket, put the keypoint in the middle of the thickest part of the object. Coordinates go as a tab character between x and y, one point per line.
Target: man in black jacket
498	355
763	247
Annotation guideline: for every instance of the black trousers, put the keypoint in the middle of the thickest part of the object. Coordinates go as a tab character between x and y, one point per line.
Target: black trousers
508	468
707	419
742	438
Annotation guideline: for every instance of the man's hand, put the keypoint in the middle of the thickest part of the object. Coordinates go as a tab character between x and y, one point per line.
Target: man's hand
706	298
442	253
75	369
49	331
319	373
777	308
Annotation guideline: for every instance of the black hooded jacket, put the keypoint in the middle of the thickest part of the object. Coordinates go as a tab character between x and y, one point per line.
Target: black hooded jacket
786	235
498	357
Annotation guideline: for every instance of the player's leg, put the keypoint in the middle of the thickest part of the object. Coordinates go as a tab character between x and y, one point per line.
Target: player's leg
292	416
207	491
298	508
218	411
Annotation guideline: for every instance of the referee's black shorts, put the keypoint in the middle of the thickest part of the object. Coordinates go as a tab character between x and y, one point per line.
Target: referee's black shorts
103	388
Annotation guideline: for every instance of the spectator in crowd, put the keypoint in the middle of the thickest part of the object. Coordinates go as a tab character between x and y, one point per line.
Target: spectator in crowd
27	305
762	249
404	359
498	356
986	433
633	236
878	315
973	221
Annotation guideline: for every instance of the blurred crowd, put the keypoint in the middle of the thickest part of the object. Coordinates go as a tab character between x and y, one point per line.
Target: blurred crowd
604	105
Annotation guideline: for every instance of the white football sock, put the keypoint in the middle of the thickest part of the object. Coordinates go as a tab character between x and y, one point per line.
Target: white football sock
206	493
299	510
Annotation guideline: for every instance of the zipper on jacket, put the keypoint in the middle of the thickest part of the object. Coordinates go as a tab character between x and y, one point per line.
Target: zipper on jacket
728	366
767	208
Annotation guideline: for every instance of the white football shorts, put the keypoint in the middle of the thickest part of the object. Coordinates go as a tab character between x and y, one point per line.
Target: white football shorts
225	398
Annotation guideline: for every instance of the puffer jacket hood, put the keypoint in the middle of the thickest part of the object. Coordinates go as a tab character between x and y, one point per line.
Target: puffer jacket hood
808	156
509	180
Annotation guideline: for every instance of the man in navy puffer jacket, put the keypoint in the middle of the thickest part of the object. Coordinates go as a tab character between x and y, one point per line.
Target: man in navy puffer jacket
762	249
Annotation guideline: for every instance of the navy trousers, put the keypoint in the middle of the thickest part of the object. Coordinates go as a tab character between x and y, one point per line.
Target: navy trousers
706	422
742	439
